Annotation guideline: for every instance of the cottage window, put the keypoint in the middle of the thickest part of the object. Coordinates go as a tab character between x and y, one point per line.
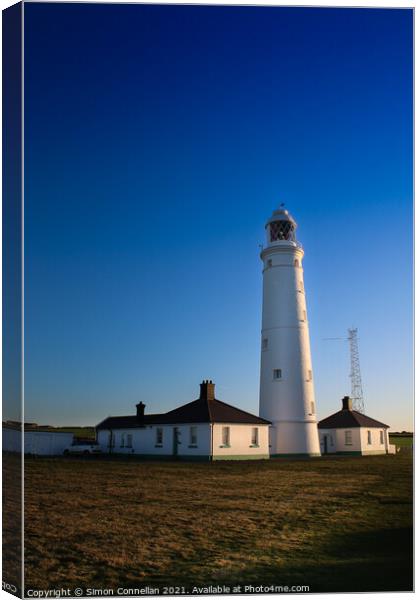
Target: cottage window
254	436
348	438
193	436
381	433
369	437
129	440
159	436
226	436
277	374
111	440
122	440
331	440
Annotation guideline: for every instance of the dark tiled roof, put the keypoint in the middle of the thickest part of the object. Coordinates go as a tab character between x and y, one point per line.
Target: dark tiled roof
128	421
199	411
349	418
211	411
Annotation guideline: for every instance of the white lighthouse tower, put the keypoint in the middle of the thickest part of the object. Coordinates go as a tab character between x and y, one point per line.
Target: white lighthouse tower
286	387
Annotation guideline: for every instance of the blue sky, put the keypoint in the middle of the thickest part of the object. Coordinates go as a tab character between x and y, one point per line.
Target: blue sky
158	141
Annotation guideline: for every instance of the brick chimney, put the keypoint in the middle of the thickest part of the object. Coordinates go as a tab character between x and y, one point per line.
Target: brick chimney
207	390
347	403
140	410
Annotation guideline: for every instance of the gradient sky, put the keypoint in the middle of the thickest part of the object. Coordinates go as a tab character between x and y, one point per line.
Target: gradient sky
158	141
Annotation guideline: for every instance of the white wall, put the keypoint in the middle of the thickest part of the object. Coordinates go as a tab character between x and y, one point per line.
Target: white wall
41	443
359	440
240	441
11	440
331	440
144	441
47	443
338	436
375	447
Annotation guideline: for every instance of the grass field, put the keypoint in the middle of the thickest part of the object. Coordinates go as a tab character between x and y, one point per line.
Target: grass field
12	519
401	441
334	524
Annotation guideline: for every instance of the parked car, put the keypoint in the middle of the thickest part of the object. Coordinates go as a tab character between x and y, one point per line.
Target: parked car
83	447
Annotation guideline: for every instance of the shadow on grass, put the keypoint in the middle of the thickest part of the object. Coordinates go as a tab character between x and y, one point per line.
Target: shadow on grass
362	562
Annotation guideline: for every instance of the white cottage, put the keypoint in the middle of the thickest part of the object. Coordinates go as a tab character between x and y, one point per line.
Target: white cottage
351	432
205	429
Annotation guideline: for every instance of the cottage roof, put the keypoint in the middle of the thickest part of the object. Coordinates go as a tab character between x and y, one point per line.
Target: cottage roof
206	409
346	418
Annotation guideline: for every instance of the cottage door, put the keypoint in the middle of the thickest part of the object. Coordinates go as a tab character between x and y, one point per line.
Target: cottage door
175	441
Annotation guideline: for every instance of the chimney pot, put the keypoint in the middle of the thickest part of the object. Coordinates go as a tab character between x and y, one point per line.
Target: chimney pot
207	390
347	403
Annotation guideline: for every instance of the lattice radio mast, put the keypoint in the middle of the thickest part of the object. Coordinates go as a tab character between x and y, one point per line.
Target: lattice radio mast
355	375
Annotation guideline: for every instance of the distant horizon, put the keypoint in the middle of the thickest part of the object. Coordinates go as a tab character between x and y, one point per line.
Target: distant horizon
158	141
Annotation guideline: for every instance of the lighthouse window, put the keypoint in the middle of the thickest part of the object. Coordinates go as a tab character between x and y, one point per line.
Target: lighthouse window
304	315
296	263
264	344
309	375
312	408
277	374
269	263
347	438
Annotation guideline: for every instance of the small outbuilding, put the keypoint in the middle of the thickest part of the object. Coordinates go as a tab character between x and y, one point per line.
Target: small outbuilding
351	432
205	429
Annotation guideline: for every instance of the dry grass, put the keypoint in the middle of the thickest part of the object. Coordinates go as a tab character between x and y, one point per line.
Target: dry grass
336	524
12	520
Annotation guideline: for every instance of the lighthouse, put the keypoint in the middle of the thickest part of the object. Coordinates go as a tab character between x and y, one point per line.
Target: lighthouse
287	396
